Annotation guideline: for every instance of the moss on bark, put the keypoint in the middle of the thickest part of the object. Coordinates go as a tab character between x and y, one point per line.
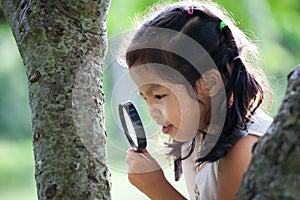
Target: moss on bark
274	172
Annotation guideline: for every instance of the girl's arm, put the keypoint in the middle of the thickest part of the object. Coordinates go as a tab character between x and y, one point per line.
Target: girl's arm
145	174
233	166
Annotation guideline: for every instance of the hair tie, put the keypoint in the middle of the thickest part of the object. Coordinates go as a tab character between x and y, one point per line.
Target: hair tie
237	57
222	25
190	11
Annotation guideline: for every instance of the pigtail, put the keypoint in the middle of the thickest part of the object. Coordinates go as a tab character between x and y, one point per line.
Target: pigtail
241	90
246	86
242	87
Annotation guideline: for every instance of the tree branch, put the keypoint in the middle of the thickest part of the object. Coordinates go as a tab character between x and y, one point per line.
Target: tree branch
274	172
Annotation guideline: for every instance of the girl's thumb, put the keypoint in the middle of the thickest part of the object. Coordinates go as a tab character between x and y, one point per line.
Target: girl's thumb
145	151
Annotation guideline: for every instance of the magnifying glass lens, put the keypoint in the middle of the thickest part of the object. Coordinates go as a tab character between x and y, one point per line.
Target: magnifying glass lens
130	127
133	127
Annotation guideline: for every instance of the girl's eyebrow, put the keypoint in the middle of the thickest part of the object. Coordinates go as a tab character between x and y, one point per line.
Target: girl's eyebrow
150	88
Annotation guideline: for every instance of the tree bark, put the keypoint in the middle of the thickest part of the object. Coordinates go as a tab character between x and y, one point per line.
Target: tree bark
63	44
274	172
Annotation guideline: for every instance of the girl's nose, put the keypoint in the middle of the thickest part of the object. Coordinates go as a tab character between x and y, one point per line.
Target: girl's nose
158	113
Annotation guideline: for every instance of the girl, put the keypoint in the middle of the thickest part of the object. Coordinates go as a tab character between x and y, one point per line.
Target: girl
194	69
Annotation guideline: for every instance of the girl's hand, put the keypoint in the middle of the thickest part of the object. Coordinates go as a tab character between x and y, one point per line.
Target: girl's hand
141	162
146	174
143	171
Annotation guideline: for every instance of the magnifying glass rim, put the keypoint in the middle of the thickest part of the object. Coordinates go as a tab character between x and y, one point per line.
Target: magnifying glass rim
137	125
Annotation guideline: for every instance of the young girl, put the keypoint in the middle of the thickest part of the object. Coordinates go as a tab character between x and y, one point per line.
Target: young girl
194	69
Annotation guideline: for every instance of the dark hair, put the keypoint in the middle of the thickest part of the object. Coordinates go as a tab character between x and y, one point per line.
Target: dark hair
244	93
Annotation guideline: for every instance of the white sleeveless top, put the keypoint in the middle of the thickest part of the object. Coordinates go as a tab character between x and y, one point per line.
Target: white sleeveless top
202	184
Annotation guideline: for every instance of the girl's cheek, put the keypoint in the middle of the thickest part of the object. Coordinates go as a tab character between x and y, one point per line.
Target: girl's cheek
175	115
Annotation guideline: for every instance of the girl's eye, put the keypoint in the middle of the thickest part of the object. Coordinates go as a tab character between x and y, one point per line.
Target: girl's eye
159	97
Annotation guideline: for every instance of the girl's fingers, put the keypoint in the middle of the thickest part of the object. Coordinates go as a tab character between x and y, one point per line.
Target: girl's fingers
145	151
131	152
146	154
135	155
141	162
129	160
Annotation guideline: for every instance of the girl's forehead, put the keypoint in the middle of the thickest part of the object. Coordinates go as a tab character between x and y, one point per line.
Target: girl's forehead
142	77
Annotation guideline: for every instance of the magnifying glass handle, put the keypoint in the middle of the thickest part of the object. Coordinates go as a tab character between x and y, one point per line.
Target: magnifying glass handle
138	150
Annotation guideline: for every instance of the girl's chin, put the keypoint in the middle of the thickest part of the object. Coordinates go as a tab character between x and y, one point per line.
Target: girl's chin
183	135
178	134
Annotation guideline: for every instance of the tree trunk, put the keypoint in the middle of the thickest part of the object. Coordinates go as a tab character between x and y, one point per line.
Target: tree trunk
63	44
274	172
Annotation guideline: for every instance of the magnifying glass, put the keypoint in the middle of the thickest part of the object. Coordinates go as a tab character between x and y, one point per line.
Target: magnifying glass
133	127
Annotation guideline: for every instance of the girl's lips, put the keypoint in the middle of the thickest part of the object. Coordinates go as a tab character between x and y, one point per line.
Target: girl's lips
165	129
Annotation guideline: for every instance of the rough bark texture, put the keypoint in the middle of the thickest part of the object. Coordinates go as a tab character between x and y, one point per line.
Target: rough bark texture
63	43
274	172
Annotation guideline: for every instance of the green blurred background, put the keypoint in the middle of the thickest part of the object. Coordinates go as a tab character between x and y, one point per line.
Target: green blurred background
273	24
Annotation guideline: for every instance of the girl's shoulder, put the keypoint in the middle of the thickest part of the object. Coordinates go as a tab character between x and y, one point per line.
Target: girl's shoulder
259	123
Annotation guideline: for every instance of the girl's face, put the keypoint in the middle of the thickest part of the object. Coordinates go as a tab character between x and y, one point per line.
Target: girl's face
170	105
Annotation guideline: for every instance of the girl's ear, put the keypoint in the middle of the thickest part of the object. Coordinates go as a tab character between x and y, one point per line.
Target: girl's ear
209	84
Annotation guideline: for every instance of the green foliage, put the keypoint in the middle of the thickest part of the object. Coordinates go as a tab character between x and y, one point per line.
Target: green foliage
14	106
121	13
16	170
